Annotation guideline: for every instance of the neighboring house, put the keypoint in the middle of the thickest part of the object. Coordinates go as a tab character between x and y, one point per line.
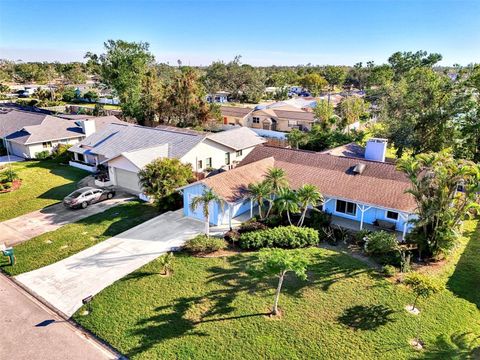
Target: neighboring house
25	134
218	97
356	191
127	149
235	115
280	118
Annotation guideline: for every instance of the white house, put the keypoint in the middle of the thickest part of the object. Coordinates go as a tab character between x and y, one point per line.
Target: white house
124	150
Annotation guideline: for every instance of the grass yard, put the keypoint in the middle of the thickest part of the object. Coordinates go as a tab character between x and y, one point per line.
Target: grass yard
43	183
210	309
73	238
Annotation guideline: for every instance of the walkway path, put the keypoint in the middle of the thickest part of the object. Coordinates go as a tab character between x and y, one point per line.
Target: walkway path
65	283
29	330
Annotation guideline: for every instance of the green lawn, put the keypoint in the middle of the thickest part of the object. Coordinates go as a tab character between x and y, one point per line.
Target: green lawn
72	238
210	309
43	183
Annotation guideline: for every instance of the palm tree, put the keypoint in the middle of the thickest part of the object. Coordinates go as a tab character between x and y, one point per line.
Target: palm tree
287	201
259	192
307	195
207	197
276	179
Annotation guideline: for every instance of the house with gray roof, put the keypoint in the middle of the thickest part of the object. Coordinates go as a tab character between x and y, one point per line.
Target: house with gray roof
25	133
125	150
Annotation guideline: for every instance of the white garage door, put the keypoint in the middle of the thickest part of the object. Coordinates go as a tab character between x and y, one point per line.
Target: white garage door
127	180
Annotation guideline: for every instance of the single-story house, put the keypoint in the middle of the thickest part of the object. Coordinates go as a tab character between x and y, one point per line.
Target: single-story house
218	97
127	149
25	134
356	191
281	117
235	115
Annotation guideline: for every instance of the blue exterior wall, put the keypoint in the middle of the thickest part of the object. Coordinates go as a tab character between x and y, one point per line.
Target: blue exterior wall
218	214
369	216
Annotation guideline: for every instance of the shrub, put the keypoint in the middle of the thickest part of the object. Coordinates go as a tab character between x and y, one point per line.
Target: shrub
42	155
232	235
61	153
280	237
273	221
201	244
8	175
389	270
319	219
380	243
5	186
383	246
361	236
251	226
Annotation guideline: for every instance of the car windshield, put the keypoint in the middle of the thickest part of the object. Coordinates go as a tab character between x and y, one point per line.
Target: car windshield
75	194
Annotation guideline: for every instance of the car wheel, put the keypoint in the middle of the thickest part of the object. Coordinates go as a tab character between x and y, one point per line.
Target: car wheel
84	204
109	195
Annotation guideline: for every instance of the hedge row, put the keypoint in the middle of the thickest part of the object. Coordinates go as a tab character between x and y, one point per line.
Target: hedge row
287	237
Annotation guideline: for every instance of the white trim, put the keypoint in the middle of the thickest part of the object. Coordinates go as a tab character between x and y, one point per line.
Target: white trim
346	214
394	220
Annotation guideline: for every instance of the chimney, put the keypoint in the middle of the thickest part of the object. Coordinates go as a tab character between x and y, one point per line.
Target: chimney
88	126
376	149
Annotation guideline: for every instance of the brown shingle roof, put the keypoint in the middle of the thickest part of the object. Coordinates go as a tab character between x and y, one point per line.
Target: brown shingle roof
380	184
231	185
235	111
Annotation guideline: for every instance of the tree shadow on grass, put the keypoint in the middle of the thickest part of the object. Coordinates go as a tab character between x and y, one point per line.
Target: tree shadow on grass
465	281
457	346
363	317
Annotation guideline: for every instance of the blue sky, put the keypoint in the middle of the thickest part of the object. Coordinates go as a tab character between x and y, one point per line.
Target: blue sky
263	32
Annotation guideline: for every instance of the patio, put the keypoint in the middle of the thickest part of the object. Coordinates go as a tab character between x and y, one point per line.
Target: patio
355	226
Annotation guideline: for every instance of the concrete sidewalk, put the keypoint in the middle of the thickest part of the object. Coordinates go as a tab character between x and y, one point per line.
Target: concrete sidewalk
29	330
65	283
25	227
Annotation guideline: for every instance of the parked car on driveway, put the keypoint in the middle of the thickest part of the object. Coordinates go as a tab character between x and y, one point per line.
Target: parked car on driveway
85	196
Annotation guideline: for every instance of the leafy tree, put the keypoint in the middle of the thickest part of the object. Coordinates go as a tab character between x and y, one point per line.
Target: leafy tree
358	76
162	177
208	197
352	108
4	89
68	94
403	62
380	75
282	78
435	180
335	76
307	195
184	103
74	73
324	112
123	67
315	83
422	286
166	263
418	113
278	262
287	201
91	96
259	192
296	138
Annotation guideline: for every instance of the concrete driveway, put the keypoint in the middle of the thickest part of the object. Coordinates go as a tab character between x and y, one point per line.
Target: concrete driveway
65	283
29	330
4	160
25	227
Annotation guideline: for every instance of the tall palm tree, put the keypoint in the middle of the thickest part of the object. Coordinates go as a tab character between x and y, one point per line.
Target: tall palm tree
307	195
276	179
259	192
207	197
287	201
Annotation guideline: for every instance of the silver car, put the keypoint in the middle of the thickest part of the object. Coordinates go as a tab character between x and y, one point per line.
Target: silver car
85	196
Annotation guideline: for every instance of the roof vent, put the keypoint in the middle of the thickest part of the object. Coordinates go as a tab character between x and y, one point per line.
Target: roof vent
359	168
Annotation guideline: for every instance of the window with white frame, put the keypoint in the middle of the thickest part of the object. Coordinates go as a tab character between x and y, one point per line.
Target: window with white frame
292	123
256	120
208	162
239	153
346	207
47	144
200	164
392	215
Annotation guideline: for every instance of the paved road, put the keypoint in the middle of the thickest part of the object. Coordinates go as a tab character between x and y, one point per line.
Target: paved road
25	227
65	283
29	330
4	160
